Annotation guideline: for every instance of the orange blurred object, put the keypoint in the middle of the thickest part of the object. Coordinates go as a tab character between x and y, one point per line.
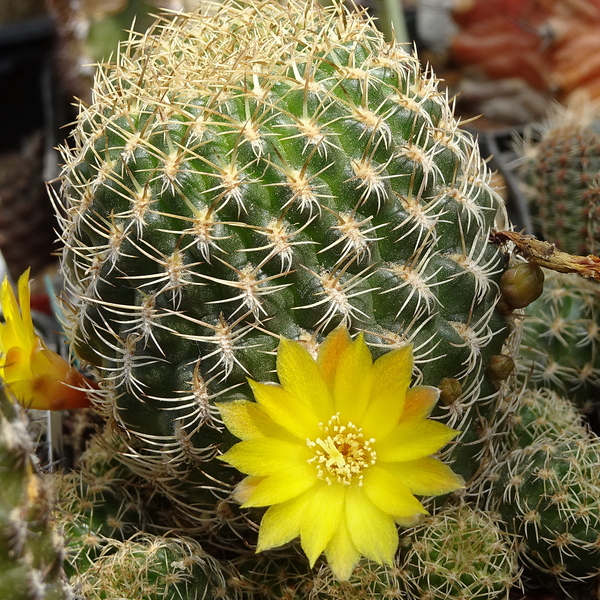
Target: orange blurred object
553	44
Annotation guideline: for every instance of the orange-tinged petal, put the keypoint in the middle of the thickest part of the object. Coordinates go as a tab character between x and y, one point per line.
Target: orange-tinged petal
16	365
420	401
299	374
373	532
246	420
281	523
330	351
282	486
413	439
47	393
244	489
265	456
321	518
389	493
392	373
342	555
426	476
353	381
286	409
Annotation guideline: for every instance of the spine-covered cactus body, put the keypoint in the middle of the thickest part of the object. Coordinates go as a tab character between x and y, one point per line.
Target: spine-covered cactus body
270	171
561	339
31	549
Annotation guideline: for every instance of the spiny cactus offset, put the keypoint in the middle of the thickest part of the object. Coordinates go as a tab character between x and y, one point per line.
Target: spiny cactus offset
150	567
97	504
548	494
269	171
560	175
461	552
31	550
561	339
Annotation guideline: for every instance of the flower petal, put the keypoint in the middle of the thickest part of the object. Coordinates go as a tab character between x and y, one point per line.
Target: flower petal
353	381
286	409
300	375
426	476
413	439
265	456
420	401
282	486
390	494
392	373
246	420
373	532
330	351
281	523
341	553
321	518
245	488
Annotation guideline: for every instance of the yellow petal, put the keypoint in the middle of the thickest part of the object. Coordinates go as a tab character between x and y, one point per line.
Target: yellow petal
286	409
244	489
341	553
321	518
282	486
246	420
420	401
413	439
281	523
299	374
264	456
389	493
373	532
16	365
330	351
353	381
426	476
392	373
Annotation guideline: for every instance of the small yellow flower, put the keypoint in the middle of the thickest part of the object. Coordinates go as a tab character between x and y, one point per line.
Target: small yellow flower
38	377
338	450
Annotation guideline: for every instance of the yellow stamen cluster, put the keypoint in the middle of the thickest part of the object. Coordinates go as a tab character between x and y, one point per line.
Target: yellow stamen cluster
343	453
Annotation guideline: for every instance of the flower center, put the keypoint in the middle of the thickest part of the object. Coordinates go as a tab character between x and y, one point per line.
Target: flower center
342	453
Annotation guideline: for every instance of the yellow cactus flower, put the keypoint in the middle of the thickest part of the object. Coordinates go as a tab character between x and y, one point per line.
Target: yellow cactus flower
38	377
338	451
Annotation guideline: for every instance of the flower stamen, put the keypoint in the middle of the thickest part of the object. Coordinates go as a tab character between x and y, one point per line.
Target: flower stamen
342	453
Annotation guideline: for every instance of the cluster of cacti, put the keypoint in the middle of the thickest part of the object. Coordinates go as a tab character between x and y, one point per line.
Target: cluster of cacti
254	174
560	162
31	548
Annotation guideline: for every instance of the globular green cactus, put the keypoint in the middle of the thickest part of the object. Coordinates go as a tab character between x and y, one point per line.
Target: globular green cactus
96	505
559	170
31	549
263	171
460	552
561	339
150	567
548	494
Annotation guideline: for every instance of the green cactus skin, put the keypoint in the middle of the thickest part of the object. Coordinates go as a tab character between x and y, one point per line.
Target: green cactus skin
149	567
560	174
548	494
31	550
560	346
270	171
97	505
461	552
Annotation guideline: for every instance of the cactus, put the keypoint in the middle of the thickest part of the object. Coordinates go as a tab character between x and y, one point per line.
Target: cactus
150	567
31	550
461	552
560	346
97	505
559	174
270	171
547	493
